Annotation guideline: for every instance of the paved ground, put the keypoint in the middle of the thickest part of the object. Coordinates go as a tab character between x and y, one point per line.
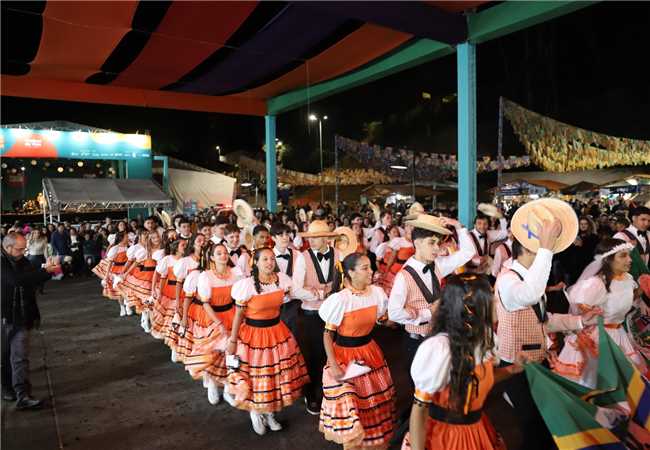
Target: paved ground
111	386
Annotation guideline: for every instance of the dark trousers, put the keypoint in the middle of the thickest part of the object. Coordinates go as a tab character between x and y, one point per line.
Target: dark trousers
289	315
410	347
15	359
314	353
36	261
533	429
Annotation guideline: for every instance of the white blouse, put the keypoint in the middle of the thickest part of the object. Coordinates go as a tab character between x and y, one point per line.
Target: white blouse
191	282
337	305
164	264
113	252
208	280
244	290
133	250
184	266
431	366
615	304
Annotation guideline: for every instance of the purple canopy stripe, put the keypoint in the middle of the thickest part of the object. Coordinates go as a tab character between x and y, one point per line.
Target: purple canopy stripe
293	34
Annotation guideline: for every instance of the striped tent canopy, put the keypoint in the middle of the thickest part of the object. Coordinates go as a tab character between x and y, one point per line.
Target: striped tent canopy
209	56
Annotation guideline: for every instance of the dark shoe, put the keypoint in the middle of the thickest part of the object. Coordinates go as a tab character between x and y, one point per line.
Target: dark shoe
312	407
28	403
8	395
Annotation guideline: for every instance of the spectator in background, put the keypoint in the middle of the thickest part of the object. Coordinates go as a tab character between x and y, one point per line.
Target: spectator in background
36	250
76	248
92	249
19	315
60	241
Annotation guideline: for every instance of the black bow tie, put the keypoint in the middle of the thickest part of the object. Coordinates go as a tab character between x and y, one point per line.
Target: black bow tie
285	256
481	236
235	252
322	256
429	268
642	233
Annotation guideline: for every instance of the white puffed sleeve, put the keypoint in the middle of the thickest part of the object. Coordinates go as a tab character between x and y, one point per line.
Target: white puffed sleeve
381	249
190	283
591	292
332	310
382	300
181	268
130	252
242	291
140	254
204	287
162	266
158	255
112	253
431	367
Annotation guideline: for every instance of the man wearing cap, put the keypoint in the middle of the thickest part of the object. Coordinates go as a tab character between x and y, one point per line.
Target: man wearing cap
482	237
539	229
637	233
321	279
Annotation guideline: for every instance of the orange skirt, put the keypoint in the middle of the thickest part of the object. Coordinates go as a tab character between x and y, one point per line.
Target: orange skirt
359	412
210	341
163	313
136	288
271	359
100	269
110	292
477	436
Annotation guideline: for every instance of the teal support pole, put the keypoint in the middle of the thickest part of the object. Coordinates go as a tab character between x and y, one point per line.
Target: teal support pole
138	168
165	176
120	169
466	68
271	169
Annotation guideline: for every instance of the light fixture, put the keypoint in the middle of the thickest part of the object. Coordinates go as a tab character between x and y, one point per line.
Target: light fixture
22	168
59	169
4	165
14	170
279	143
80	163
101	172
246	184
98	165
313	117
324	117
47	164
398	166
33	162
70	169
632	181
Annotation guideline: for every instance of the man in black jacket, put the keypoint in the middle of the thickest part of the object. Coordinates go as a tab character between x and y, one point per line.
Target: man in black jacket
19	315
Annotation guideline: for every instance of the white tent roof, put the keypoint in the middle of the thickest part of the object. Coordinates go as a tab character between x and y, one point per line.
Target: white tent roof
207	189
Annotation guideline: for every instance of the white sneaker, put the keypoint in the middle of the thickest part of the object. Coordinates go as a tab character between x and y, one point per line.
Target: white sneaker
269	420
228	398
206	380
144	322
174	356
258	423
213	393
129	310
122	311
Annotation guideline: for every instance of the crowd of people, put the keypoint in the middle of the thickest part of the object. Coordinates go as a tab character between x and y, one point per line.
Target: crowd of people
267	309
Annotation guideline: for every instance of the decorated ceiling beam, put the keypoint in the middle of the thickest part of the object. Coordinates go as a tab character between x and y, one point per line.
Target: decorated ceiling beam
411	55
416	18
490	23
112	95
512	16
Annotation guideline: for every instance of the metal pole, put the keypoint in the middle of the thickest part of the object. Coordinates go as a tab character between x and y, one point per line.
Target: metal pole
500	145
320	138
336	180
413	175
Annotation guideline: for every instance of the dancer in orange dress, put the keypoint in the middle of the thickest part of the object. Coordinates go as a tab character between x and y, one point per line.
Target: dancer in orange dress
164	306
358	412
186	271
116	257
268	353
454	371
398	250
136	286
212	312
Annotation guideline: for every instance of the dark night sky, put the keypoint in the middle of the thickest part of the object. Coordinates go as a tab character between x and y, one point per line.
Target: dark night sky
587	69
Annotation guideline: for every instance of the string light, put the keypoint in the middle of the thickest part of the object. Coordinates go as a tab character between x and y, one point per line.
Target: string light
80	163
59	169
70	169
4	165
33	162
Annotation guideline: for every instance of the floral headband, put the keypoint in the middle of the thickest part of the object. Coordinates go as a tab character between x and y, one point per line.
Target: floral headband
618	248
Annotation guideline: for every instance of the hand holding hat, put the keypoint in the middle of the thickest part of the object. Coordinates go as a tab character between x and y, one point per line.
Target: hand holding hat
549	233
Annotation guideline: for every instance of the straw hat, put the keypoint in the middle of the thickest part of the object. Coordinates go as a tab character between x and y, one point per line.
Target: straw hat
318	228
414	211
244	213
376	212
489	210
527	221
346	241
429	222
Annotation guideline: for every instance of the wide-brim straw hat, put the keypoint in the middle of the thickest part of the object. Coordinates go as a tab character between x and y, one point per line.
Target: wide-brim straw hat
318	228
414	211
376	212
489	210
527	222
429	222
346	241
244	213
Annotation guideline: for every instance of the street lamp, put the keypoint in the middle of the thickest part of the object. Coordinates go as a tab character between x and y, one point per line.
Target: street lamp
314	118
